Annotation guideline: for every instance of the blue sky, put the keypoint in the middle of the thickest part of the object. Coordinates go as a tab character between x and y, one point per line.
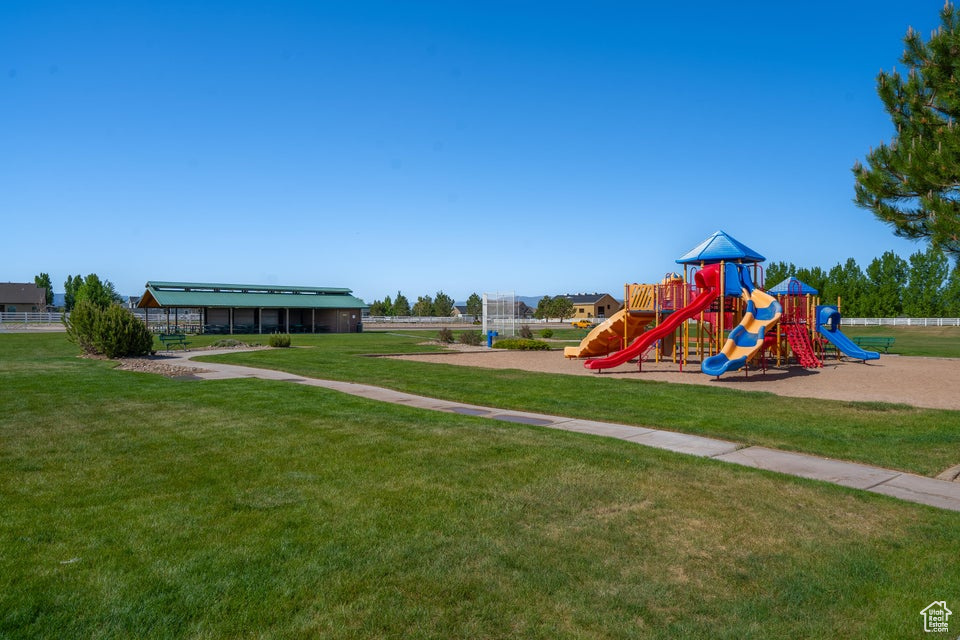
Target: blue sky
458	146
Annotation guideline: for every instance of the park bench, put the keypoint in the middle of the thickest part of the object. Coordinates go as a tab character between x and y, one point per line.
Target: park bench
170	340
875	342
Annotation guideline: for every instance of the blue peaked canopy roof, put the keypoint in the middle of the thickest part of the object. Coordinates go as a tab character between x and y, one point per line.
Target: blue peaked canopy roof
792	286
717	247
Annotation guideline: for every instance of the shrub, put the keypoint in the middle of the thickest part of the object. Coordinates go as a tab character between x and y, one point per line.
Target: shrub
521	344
279	340
445	335
546	333
113	331
525	331
119	334
81	325
472	338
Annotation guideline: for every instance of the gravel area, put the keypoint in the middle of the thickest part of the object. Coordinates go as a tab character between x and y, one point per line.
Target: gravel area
156	364
919	382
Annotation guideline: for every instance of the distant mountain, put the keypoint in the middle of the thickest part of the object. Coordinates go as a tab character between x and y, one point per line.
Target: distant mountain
59	299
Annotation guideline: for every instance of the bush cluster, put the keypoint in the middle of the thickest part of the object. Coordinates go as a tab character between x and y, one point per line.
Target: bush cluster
546	333
521	344
110	331
525	331
472	338
281	340
445	335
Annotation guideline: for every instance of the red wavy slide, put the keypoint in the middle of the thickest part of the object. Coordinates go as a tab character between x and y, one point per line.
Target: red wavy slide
707	281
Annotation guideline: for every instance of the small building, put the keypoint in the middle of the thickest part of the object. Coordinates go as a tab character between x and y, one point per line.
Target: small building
22	297
246	308
593	305
524	312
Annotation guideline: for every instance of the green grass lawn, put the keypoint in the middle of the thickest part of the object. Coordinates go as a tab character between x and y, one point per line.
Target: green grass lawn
134	506
940	342
923	441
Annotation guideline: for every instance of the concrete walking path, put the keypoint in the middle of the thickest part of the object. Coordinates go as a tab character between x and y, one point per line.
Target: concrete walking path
905	486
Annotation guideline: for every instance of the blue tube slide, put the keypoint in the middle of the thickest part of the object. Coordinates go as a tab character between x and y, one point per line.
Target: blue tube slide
828	324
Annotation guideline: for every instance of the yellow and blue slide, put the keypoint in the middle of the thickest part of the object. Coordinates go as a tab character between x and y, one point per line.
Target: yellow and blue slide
762	314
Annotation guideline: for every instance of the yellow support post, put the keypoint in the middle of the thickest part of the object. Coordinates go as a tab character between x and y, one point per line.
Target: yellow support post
723	304
626	313
656	317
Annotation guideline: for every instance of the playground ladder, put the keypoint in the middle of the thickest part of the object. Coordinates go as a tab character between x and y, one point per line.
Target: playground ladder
800	344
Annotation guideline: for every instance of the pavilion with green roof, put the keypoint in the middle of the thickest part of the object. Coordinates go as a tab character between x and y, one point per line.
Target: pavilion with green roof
247	308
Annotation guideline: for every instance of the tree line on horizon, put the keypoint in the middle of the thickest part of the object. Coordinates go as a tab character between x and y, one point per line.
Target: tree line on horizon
923	286
439	306
101	293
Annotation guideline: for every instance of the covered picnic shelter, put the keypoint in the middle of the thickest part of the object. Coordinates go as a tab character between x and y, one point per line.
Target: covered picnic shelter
247	308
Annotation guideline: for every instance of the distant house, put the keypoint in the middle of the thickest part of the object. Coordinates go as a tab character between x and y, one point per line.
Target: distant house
459	311
524	312
246	308
22	297
593	305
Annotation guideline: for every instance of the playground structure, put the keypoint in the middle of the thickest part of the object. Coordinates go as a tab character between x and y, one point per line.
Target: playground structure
724	319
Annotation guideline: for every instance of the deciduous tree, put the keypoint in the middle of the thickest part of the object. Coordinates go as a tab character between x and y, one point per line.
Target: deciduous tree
43	280
886	277
70	286
561	307
100	293
923	295
423	307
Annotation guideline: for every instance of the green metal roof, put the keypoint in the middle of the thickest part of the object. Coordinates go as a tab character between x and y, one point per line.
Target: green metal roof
206	294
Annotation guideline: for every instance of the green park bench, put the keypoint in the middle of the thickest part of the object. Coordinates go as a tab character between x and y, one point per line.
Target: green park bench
874	342
171	340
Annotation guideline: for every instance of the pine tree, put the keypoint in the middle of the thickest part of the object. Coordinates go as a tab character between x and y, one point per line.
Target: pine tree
911	184
474	305
442	305
401	306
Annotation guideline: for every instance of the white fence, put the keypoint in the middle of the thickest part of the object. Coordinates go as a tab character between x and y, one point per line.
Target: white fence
454	320
900	322
158	318
24	317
